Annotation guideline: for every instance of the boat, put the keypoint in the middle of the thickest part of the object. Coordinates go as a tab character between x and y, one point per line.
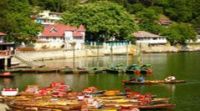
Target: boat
133	69
116	69
96	70
137	69
9	92
146	69
6	75
151	82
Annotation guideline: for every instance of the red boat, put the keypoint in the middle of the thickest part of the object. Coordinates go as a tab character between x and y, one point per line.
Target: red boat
9	92
6	75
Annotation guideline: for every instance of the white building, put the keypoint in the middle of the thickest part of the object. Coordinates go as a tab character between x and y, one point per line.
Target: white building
147	38
63	34
2	37
46	17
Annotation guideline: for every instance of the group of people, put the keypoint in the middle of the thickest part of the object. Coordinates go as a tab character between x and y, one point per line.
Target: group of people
141	79
138	79
170	78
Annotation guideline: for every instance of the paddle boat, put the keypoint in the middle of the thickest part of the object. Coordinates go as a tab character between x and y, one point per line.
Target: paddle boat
152	82
167	80
6	75
137	69
115	69
9	92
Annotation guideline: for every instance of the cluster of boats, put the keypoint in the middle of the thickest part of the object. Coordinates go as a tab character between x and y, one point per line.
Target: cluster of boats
59	97
131	69
114	69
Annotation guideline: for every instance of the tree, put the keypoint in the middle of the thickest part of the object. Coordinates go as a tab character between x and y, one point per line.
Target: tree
180	10
55	5
134	8
148	18
102	19
179	33
16	21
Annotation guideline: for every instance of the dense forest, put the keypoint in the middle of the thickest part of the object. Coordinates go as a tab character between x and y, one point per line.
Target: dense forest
104	19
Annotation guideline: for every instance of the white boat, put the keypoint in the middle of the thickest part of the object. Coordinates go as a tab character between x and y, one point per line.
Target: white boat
9	92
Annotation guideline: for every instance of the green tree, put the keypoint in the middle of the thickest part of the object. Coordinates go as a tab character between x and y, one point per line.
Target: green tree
180	10
148	20
102	19
16	21
196	23
55	5
134	8
179	33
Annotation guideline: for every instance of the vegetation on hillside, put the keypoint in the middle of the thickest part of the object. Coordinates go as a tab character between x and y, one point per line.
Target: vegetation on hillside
103	20
114	20
16	22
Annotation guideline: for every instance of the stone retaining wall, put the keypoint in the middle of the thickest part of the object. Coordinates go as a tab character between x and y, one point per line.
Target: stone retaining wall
132	49
63	54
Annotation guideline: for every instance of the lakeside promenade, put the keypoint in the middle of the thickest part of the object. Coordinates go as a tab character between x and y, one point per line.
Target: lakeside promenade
41	55
102	51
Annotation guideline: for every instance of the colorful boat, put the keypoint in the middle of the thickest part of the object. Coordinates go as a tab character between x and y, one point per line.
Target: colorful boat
115	69
137	69
152	82
9	92
6	75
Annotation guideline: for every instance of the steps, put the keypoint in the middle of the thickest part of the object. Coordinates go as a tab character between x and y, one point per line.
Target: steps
28	61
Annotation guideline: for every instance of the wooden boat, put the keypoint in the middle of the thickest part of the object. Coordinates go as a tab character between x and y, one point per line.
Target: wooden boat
6	75
115	69
143	107
151	82
136	69
157	106
9	92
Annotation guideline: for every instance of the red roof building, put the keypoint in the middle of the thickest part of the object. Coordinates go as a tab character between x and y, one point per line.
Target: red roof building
2	34
58	30
61	33
163	20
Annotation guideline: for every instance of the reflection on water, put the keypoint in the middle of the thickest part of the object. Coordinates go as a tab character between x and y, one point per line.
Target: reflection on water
183	65
6	83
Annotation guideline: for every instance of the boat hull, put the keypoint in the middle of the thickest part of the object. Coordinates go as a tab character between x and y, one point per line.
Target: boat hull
9	93
149	82
6	76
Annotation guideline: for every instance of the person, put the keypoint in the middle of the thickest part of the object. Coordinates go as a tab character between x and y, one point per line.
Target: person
170	78
132	79
141	79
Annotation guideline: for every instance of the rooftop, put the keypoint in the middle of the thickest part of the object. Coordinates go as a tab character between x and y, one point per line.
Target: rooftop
2	34
144	34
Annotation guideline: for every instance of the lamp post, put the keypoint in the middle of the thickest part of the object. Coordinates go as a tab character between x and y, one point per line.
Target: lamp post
111	51
97	53
73	44
127	44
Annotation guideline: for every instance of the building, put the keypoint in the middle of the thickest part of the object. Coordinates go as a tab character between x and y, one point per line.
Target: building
46	17
143	37
63	34
6	52
2	37
163	20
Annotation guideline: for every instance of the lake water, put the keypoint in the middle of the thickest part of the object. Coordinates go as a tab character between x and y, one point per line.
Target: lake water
185	66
